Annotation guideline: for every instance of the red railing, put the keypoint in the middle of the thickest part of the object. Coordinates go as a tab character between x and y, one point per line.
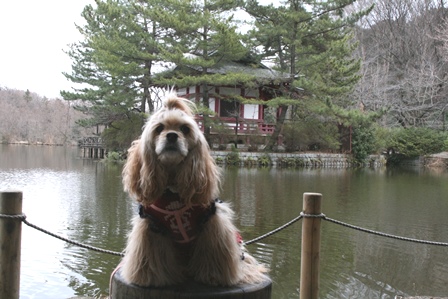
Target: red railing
244	126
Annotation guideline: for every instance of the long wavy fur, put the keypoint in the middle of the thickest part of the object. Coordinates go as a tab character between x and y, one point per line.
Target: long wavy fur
151	258
144	176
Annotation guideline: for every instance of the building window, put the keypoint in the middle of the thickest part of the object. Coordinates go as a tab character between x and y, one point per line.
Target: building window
229	108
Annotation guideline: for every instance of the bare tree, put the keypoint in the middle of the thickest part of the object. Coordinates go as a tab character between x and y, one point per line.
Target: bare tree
403	69
26	116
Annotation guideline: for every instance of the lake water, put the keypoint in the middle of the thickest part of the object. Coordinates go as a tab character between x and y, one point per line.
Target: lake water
83	200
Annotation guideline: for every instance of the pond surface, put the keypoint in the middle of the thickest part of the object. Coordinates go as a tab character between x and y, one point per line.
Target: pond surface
83	200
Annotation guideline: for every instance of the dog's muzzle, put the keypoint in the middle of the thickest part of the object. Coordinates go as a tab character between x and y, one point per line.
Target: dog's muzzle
172	137
171	143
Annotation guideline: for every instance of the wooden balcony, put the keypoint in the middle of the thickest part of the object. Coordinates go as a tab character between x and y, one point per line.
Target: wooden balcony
93	147
91	142
242	127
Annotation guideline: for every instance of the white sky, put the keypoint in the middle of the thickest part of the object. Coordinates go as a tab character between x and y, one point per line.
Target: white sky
33	35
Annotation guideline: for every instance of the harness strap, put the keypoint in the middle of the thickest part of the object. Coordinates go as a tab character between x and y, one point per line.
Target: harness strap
179	223
169	216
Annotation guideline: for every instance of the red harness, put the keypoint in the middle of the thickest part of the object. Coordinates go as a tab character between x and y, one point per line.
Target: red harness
169	215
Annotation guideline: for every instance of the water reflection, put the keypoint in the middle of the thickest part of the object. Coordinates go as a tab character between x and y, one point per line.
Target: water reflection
102	219
408	202
78	199
83	200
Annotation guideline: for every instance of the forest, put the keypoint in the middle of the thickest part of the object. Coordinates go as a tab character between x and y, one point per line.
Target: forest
403	49
27	117
376	67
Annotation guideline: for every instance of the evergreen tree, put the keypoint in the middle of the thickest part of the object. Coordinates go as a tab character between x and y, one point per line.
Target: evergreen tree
208	34
311	40
123	41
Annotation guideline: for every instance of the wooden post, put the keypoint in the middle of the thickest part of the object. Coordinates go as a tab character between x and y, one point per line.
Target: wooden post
10	239
309	271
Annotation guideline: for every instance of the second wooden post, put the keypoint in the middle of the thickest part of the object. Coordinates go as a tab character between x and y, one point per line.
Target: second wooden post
10	240
309	270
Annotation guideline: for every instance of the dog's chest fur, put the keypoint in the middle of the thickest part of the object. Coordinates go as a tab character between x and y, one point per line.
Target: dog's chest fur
168	215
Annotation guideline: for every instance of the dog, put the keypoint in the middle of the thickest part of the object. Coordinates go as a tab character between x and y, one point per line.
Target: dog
183	231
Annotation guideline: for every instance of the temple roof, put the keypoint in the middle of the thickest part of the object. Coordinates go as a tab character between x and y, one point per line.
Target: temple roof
257	69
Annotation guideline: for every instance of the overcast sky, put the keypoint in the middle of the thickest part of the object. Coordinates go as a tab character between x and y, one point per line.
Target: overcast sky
33	35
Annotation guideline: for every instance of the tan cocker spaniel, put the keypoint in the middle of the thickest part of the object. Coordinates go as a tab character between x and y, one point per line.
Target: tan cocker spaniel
182	231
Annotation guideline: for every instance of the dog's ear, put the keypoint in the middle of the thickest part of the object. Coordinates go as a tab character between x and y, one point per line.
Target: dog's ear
142	176
200	176
131	171
153	178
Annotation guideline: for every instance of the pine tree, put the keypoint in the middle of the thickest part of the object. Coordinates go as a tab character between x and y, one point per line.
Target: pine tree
208	34
123	41
310	40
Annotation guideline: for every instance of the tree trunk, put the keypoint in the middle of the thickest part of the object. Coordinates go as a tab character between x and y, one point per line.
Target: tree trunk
145	100
146	93
205	96
237	123
273	141
205	102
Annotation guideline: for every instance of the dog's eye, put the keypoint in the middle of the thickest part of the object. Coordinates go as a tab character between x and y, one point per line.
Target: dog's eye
159	128
185	129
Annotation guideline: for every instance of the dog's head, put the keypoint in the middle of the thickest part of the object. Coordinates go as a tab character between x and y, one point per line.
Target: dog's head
171	133
171	153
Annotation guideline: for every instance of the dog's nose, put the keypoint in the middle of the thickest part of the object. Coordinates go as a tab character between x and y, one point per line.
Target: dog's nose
171	137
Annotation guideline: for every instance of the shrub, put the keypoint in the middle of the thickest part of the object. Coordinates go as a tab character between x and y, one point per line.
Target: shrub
252	148
292	162
120	134
264	160
414	142
363	141
250	162
233	158
311	134
113	157
219	160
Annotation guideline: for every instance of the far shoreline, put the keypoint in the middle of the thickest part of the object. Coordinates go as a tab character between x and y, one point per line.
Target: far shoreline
306	159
